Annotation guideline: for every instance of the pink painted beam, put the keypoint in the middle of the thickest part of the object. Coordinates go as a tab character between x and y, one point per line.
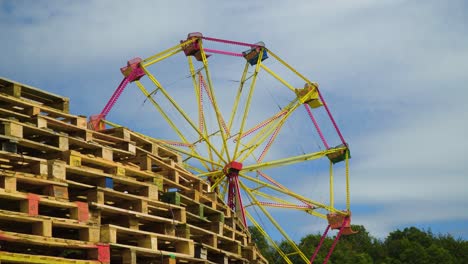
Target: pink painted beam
224	52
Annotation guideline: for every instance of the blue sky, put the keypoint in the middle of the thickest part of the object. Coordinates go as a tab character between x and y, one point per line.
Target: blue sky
393	72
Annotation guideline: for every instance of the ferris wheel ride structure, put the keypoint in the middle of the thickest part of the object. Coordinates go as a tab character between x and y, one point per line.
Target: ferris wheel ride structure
232	151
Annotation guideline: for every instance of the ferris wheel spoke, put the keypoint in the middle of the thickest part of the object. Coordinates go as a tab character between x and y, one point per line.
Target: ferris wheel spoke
269	238
218	181
212	173
193	152
193	168
270	129
261	125
201	117
182	112
247	103
319	93
236	101
192	155
238	95
291	160
214	102
258	139
164	54
281	203
276	76
289	67
161	111
287	192
274	222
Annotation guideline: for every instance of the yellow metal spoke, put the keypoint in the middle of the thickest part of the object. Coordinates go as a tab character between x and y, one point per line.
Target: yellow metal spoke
196	87
112	124
268	237
179	150
274	129
277	77
161	111
236	101
265	136
290	160
258	139
211	173
182	151
190	167
198	93
215	104
348	202
273	221
280	162
155	58
198	157
238	96
182	112
289	193
225	190
332	198
161	58
247	103
166	117
289	67
262	124
282	201
218	181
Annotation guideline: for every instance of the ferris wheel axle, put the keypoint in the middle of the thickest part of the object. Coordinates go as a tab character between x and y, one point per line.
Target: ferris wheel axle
231	171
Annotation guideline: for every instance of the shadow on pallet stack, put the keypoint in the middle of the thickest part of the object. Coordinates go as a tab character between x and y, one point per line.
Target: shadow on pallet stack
73	195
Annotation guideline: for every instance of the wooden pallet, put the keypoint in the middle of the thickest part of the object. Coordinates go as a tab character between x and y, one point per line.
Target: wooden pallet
13	181
135	255
197	210
9	257
143	239
27	92
49	247
48	226
144	144
103	213
104	165
34	205
24	109
169	170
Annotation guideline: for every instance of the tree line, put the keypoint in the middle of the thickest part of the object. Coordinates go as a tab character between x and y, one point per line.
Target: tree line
408	246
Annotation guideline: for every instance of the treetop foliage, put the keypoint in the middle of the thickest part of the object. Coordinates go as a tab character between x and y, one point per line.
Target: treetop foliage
408	246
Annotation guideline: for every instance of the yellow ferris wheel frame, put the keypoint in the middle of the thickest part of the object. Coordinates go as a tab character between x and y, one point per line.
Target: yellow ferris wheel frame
215	164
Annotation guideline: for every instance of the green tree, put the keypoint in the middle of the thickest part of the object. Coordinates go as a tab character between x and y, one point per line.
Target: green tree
438	254
408	246
262	244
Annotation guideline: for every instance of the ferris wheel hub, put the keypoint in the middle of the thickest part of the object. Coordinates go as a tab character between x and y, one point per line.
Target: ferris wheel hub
232	168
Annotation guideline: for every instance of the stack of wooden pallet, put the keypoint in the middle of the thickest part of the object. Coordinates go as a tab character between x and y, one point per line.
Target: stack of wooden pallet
72	195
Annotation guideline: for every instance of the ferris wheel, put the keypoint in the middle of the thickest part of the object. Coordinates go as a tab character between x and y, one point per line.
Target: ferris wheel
247	122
